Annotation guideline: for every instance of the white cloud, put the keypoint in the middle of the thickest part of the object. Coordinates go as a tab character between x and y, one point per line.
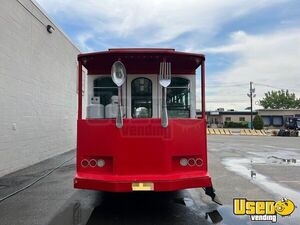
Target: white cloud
156	21
82	40
269	59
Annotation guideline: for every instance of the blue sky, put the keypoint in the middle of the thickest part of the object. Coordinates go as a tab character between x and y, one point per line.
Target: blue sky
243	40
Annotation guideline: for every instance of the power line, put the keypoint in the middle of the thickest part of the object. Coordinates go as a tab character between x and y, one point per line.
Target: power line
226	101
244	84
279	88
226	85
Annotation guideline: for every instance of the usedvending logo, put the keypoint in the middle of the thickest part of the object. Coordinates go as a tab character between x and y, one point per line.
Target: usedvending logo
263	210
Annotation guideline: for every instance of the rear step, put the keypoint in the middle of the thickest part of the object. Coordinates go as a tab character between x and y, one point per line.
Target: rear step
210	191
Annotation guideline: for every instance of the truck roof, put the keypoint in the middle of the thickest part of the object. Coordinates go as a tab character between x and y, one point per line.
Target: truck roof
141	60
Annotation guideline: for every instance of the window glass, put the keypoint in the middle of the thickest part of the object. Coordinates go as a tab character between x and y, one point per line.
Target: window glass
242	119
105	88
228	119
141	99
178	98
277	120
267	120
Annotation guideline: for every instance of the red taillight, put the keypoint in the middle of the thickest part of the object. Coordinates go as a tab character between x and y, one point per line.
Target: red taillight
84	163
187	163
195	162
199	162
93	163
97	164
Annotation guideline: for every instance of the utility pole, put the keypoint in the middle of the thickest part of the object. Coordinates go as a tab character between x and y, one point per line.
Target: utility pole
251	95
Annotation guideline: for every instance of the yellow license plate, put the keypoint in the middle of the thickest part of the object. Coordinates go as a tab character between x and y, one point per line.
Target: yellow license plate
144	186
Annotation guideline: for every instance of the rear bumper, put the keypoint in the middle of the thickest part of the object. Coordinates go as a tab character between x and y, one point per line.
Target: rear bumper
124	183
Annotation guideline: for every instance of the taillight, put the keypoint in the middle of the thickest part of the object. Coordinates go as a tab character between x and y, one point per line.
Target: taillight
96	164
184	162
101	162
85	163
195	162
187	163
92	163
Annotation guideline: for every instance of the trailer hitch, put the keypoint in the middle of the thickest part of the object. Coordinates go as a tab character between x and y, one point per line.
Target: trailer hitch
210	191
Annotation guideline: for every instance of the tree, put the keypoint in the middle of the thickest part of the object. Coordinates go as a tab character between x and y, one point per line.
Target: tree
282	99
258	123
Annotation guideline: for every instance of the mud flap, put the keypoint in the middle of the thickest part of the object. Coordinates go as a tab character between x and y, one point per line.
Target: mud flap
210	191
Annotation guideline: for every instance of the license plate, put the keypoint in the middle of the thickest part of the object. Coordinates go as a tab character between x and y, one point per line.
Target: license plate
144	186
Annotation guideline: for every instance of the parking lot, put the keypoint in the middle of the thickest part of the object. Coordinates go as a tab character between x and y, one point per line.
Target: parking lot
257	168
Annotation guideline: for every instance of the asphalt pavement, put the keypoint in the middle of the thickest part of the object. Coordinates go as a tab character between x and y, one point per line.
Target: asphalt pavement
241	166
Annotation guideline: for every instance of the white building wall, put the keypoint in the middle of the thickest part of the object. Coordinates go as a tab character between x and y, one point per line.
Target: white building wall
38	76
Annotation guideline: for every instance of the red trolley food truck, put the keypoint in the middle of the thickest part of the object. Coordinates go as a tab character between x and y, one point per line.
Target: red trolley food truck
137	128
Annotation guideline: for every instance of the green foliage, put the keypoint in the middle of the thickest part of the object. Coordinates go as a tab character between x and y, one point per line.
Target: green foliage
235	125
258	123
280	100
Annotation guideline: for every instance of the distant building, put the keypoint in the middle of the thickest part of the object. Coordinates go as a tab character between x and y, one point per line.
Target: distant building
277	118
273	118
220	116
